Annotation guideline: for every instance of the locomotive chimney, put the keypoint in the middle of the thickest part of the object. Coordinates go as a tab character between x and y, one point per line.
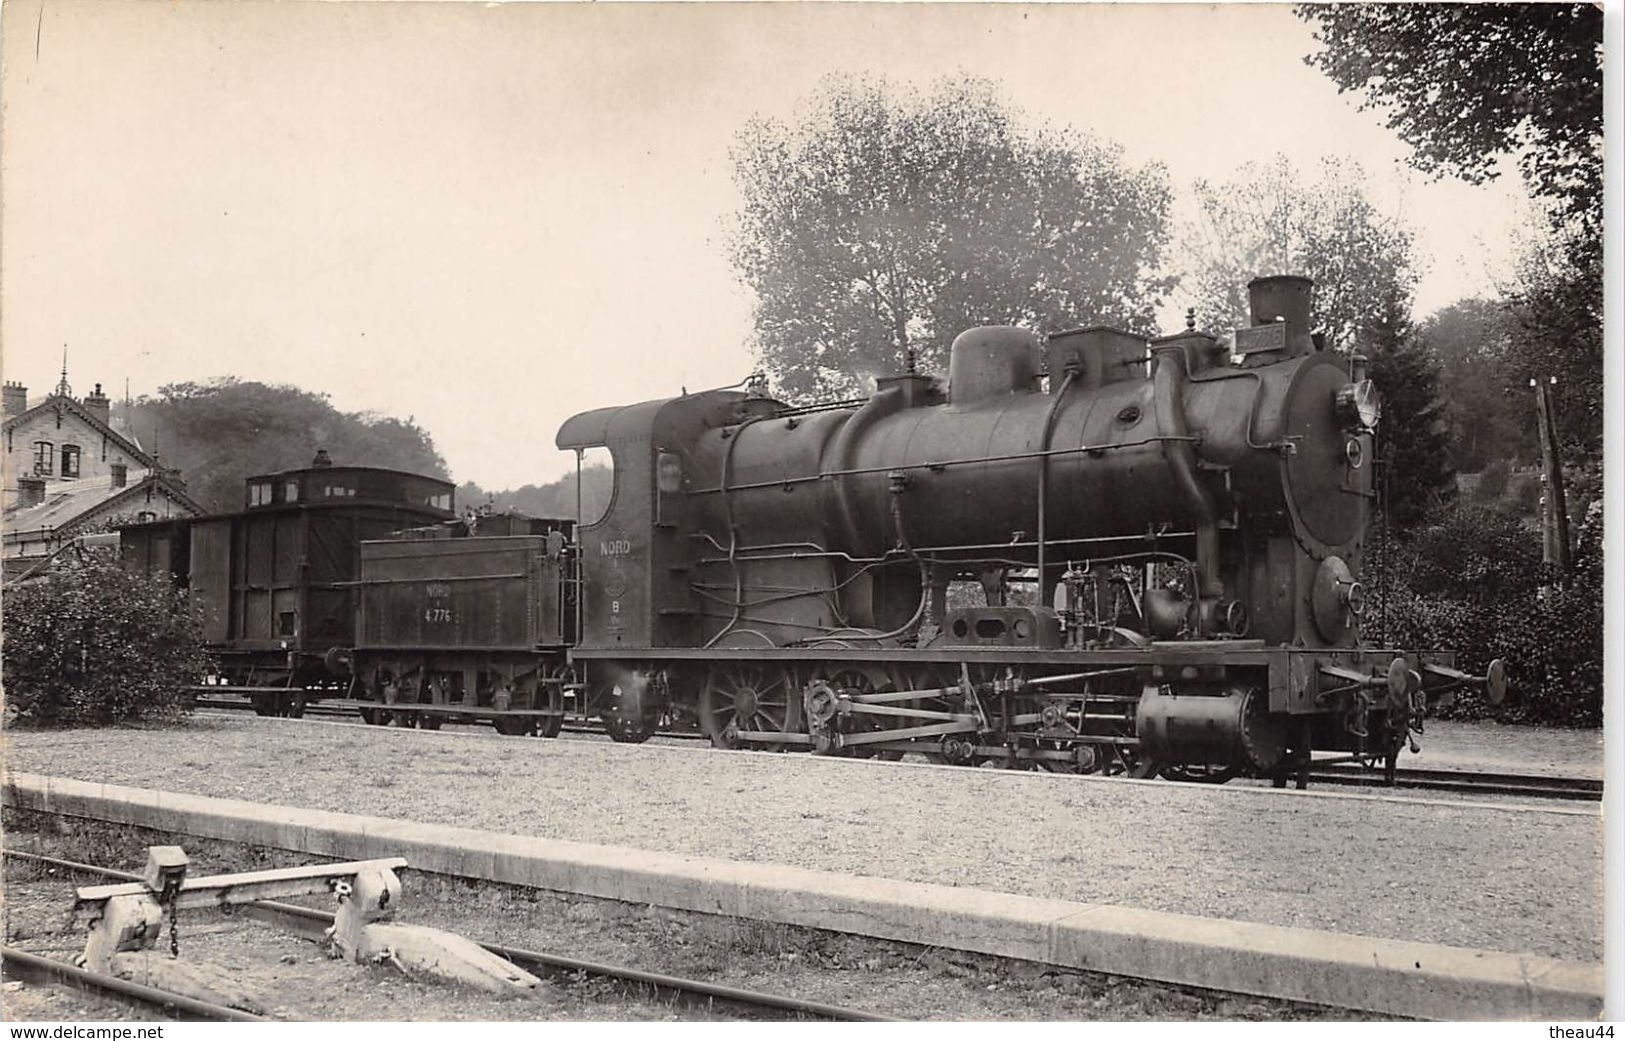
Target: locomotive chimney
1285	299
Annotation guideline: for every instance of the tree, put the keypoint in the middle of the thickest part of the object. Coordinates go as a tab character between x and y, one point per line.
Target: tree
1555	304
1267	220
554	499
1412	436
217	434
1488	408
90	643
1466	83
886	221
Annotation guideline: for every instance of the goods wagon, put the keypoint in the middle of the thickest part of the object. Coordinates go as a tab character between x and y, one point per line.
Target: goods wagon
276	581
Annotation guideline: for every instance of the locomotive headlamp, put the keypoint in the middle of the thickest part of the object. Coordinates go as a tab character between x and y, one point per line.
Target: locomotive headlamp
1358	406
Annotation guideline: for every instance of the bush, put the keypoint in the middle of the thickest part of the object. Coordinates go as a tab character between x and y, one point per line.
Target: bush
1492	481
90	644
1474	583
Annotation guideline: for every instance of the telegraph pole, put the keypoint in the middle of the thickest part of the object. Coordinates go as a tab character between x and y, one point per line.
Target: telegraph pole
1554	527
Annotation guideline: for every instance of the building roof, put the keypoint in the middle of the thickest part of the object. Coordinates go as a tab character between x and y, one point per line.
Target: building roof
68	502
90	418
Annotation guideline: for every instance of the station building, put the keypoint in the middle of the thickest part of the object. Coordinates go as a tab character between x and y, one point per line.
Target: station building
68	472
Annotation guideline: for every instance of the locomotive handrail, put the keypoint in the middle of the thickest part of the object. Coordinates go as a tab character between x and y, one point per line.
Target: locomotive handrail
814	550
449	578
943	464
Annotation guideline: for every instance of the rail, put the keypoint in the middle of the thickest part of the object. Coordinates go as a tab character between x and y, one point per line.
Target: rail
312	921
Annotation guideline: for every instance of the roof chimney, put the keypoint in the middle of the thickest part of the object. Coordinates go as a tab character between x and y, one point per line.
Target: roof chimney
322	458
16	399
96	404
30	491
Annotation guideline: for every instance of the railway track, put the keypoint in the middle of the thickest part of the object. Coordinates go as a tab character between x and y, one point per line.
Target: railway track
313	923
1475	782
1465	782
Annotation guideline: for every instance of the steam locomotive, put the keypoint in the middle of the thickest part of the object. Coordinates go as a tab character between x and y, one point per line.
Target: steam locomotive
1082	553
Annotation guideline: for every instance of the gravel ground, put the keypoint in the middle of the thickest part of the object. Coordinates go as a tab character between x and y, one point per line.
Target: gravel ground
1504	878
300	982
1449	745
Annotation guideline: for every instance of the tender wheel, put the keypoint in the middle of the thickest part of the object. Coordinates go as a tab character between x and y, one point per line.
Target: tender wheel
429	720
744	696
550	695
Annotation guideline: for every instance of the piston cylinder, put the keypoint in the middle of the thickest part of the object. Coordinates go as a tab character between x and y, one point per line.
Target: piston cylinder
1227	729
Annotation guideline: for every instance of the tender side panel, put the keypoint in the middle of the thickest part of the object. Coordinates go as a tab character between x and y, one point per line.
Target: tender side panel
459	594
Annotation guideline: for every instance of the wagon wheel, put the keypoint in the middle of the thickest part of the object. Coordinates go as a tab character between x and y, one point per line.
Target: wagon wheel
429	693
510	726
550	696
514	726
747	696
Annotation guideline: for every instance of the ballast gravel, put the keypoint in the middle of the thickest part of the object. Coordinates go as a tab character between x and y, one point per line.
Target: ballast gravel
1502	877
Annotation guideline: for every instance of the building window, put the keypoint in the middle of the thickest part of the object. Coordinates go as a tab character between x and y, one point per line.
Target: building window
290	491
146	517
70	460
259	494
44	457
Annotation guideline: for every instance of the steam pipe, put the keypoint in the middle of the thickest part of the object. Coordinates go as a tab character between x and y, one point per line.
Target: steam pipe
1168	402
1043	470
844	445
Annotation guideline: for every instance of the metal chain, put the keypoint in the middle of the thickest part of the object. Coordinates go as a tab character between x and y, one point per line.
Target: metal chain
172	891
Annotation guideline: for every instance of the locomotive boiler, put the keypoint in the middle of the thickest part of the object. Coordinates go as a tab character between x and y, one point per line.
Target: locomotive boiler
1186	516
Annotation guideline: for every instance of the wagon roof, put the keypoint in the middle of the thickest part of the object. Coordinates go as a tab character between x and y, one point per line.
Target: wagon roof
329	470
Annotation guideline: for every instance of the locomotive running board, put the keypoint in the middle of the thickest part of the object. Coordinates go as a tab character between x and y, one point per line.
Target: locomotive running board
1233	652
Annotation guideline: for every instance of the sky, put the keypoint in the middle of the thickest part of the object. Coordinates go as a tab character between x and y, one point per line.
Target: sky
491	217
